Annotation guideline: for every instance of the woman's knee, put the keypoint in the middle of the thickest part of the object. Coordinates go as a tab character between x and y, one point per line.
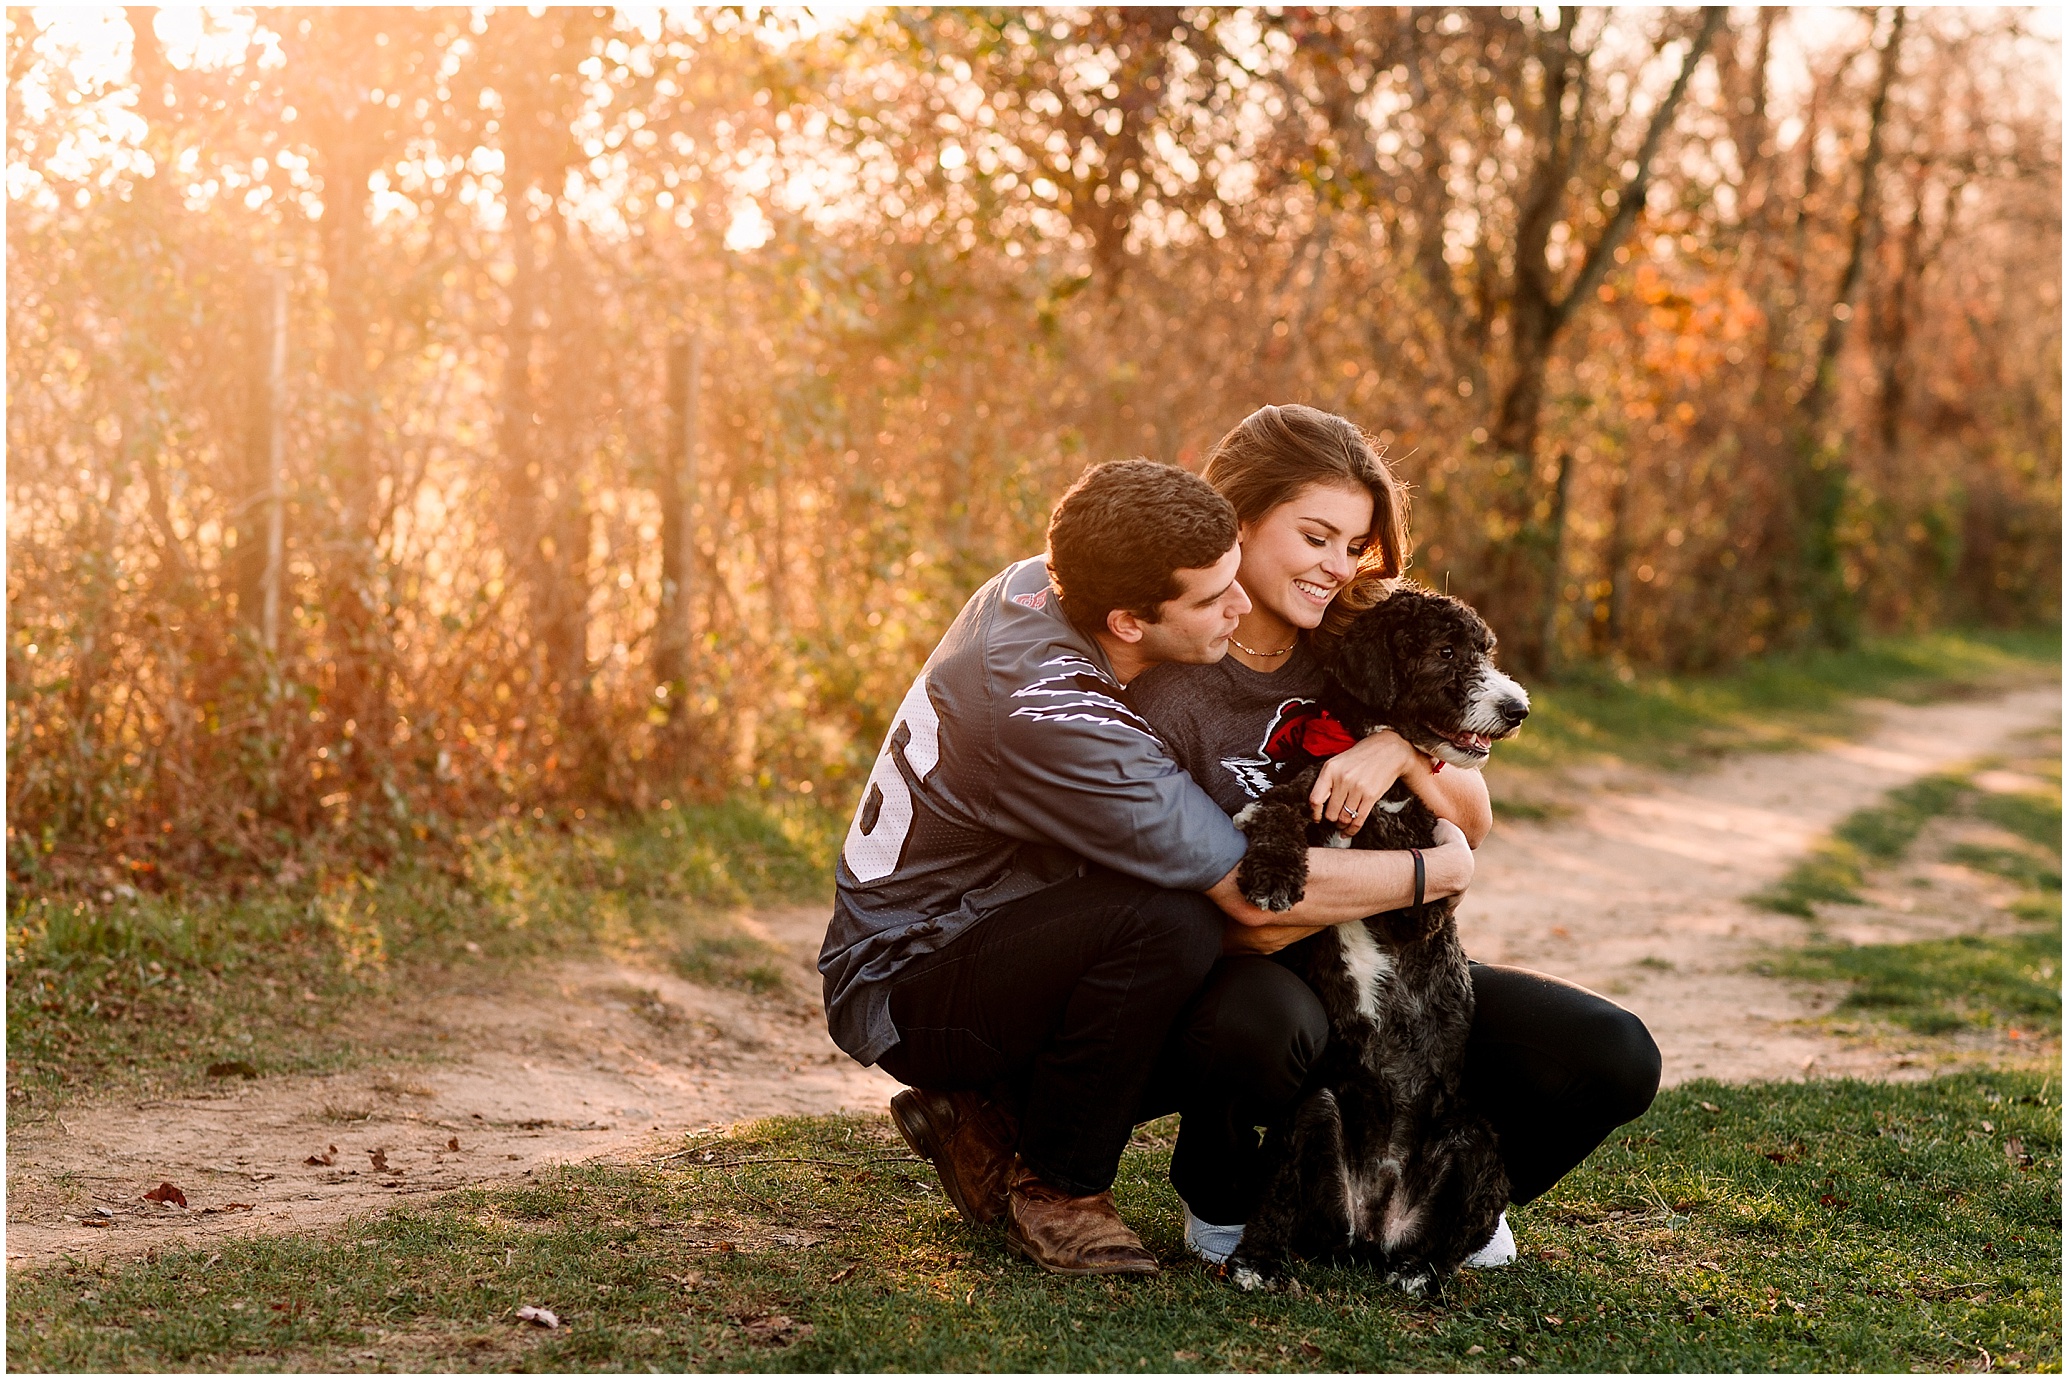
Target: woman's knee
1627	1064
1259	1028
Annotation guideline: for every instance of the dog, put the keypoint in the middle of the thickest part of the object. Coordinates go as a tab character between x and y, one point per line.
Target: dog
1382	1161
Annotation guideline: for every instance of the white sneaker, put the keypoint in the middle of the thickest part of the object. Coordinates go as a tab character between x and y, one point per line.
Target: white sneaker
1210	1243
1497	1252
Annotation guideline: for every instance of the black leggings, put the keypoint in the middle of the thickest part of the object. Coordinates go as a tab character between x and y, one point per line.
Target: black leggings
1553	1066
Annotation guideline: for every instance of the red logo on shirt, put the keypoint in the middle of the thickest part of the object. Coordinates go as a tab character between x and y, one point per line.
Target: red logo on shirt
1299	727
1312	730
1039	599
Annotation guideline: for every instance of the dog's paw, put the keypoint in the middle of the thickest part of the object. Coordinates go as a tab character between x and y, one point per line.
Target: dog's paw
1419	1282
1270	888
1246	1278
1277	899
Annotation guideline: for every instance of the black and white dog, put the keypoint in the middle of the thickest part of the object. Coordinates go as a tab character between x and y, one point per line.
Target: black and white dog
1382	1161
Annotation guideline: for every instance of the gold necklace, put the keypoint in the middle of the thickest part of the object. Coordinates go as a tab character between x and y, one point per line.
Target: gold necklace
1254	652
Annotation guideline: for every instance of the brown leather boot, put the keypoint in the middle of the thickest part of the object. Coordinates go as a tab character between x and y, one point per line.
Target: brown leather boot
970	1140
1070	1235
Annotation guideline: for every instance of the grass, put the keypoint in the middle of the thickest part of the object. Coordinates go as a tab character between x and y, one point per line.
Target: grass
2007	981
1880	833
110	991
1772	703
1937	986
1777	1227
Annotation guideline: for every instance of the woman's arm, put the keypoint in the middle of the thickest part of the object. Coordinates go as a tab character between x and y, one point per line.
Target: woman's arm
1349	884
1352	782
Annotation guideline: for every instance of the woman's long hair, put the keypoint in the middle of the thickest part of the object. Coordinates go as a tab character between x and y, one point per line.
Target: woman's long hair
1280	449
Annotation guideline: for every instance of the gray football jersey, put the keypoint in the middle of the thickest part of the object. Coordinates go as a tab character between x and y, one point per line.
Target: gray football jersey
1014	760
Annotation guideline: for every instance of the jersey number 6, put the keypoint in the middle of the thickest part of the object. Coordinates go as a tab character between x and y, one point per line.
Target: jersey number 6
876	839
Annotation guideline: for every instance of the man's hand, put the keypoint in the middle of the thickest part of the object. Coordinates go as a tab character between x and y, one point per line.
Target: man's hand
1349	884
1238	938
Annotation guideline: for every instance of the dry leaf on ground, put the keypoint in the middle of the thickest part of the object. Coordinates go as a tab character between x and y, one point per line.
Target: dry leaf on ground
166	1193
540	1317
776	1327
326	1157
380	1160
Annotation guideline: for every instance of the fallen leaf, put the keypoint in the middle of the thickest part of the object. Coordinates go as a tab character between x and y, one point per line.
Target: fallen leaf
95	1222
694	1280
2014	1151
1832	1200
1555	1322
1184	1356
844	1273
1475	1350
230	1207
1554	1253
453	1143
1711	1107
725	1246
776	1327
380	1160
232	1068
1310	1348
541	1317
166	1193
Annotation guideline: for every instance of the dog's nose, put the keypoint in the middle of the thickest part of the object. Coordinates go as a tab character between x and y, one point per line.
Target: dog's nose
1513	711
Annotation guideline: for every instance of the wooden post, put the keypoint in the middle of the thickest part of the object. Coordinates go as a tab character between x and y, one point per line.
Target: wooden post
675	640
276	468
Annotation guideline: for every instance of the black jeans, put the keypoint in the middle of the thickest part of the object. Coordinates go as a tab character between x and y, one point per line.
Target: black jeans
1060	1002
1552	1065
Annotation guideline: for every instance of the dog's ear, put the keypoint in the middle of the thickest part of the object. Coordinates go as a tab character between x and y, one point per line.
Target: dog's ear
1364	662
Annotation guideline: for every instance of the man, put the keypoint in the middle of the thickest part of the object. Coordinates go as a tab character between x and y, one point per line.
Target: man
1032	889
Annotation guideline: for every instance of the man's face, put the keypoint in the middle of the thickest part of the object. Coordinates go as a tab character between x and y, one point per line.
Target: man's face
1195	625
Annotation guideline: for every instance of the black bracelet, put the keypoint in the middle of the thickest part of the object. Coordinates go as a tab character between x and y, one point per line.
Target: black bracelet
1421	875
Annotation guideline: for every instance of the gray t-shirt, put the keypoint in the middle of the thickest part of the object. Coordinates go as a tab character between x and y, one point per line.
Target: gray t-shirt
1227	725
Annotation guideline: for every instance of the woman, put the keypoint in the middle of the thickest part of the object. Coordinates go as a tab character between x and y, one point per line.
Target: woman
1553	1066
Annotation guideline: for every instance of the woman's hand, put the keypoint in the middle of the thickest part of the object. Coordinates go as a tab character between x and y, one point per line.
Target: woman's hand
1353	781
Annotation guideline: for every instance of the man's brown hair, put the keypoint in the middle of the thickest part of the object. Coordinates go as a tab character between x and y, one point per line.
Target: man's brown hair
1122	533
1276	451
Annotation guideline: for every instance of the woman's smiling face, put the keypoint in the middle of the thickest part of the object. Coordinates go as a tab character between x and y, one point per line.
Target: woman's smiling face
1298	556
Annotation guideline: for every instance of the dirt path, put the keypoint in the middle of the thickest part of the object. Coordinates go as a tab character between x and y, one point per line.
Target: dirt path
1638	893
1635	894
586	1060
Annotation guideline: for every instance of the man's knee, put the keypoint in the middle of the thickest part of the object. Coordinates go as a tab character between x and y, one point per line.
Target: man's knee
1179	930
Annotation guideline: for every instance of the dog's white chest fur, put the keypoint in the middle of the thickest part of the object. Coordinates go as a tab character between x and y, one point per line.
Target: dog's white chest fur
1369	966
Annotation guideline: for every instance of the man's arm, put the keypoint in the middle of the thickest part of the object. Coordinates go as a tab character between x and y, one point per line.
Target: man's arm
1349	884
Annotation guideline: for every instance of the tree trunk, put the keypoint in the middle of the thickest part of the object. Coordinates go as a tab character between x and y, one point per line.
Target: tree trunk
676	487
1823	606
